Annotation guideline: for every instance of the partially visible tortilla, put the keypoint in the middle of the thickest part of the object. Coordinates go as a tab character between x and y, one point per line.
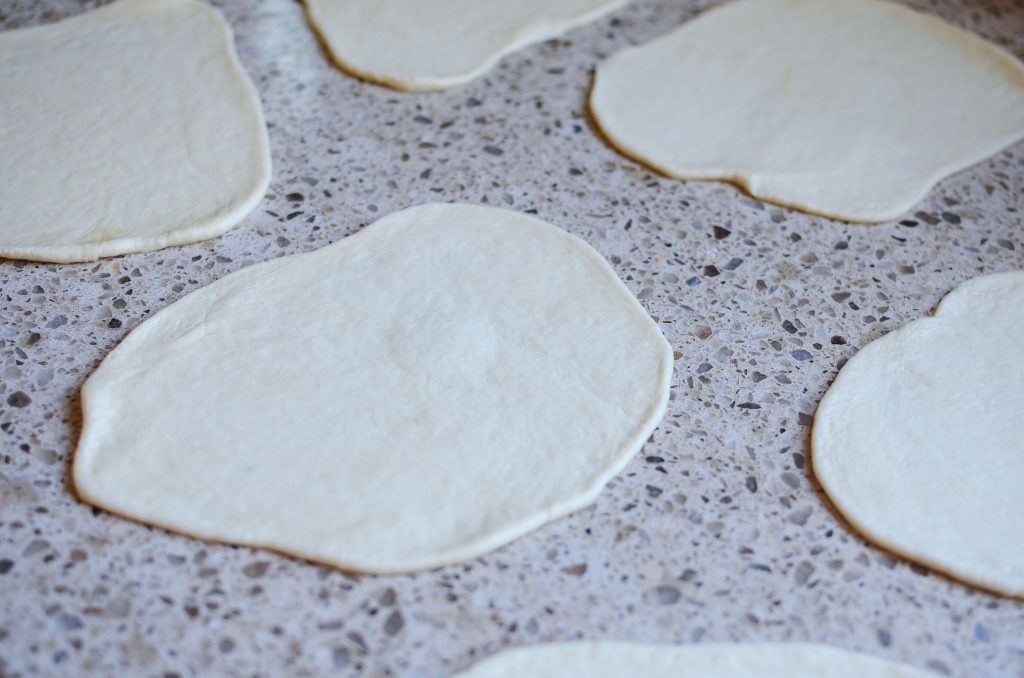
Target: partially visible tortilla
713	660
416	45
919	442
129	128
851	109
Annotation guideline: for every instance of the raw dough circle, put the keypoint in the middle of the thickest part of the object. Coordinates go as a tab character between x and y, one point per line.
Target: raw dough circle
712	660
414	395
126	129
851	109
415	45
920	440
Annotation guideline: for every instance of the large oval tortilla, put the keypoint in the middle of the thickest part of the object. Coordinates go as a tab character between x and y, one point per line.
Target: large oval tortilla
920	440
850	109
712	660
126	129
414	395
415	45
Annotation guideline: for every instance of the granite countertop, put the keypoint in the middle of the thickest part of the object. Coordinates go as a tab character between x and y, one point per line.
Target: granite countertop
716	531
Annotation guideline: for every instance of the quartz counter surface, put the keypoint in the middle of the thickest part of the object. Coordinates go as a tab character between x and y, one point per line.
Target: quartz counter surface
716	531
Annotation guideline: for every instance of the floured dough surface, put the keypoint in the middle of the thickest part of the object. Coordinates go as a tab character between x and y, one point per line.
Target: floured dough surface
414	395
920	440
415	45
129	128
713	660
850	109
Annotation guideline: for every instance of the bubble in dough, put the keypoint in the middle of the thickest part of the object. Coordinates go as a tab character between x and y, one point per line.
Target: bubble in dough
129	128
920	440
414	395
711	660
414	45
852	109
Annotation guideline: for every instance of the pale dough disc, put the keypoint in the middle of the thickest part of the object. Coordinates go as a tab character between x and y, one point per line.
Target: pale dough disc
129	128
414	395
851	109
920	440
415	45
712	660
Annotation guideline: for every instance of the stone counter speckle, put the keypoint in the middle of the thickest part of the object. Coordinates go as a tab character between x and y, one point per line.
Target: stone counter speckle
716	531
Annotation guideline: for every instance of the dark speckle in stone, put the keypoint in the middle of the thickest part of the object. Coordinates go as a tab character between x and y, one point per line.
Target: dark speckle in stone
951	218
733	264
394	623
789	327
751	483
837	340
577	570
693	282
721	233
884	638
493	150
114	323
653	491
283	241
666	595
18	399
295	197
711	271
59	321
226	645
256	569
5	565
340	657
388	598
801	355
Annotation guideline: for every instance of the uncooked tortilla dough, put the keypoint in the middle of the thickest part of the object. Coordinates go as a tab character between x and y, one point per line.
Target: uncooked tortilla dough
415	45
850	109
920	440
125	129
713	660
415	395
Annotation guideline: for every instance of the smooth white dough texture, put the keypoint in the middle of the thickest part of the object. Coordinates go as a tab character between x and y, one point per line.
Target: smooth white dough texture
851	109
712	660
126	129
414	395
416	46
920	440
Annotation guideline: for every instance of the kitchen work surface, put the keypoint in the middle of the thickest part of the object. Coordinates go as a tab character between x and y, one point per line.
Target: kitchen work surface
715	532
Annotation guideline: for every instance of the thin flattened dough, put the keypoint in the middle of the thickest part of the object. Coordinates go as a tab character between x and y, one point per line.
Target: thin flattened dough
920	440
850	109
414	45
713	660
126	129
414	395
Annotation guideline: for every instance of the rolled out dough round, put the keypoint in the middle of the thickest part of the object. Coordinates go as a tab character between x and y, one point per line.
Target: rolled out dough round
414	395
129	128
920	440
415	45
851	109
712	660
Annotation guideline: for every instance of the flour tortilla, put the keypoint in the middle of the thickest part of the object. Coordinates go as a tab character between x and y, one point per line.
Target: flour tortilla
714	660
129	128
415	395
415	45
920	440
851	109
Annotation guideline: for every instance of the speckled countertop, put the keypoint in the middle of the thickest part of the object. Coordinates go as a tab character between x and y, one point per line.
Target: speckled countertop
715	532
